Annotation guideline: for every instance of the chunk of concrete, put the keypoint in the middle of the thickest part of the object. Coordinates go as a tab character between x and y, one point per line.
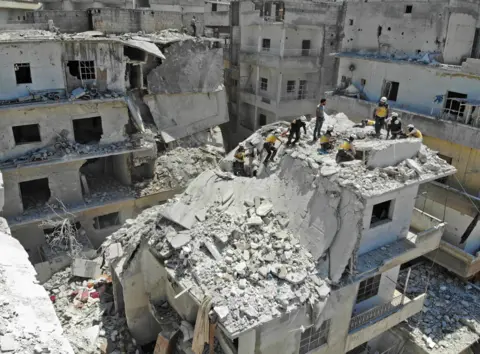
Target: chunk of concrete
85	268
255	221
213	251
264	209
326	171
113	251
180	213
178	240
382	153
415	166
323	291
222	312
7	343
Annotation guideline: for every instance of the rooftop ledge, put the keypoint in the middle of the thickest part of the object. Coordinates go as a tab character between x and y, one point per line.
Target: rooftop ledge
416	244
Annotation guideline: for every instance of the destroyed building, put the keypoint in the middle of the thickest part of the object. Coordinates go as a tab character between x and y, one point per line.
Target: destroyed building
304	258
279	63
82	115
424	58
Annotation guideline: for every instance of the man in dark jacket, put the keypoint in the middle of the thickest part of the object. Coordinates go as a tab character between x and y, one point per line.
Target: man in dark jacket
320	119
295	127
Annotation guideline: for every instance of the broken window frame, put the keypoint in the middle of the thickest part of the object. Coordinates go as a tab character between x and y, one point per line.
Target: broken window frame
87	70
263	84
16	132
312	339
22	67
97	222
368	288
453	98
390	90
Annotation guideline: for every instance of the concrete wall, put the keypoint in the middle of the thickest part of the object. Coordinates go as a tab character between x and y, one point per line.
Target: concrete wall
411	96
397	227
53	119
66	21
113	20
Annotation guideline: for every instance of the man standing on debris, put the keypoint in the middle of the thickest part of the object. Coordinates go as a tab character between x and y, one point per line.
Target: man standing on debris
380	114
193	23
295	127
394	126
250	154
239	162
320	119
327	140
269	146
346	151
414	132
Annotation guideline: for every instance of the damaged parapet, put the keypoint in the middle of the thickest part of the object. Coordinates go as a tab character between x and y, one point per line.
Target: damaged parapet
262	247
28	323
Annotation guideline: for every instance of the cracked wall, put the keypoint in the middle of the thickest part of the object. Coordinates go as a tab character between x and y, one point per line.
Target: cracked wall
53	119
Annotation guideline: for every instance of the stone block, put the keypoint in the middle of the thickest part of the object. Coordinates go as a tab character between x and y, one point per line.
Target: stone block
86	269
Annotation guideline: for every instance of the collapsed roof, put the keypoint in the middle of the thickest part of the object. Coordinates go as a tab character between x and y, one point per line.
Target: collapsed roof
264	246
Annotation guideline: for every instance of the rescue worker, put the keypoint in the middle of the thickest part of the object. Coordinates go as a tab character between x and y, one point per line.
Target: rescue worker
269	146
346	150
365	123
239	161
250	154
394	126
327	140
295	127
193	24
320	113
414	132
380	114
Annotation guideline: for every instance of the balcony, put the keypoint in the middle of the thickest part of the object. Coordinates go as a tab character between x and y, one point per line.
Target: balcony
371	323
424	236
442	125
291	58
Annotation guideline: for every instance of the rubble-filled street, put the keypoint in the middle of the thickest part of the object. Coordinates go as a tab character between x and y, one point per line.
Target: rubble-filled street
450	319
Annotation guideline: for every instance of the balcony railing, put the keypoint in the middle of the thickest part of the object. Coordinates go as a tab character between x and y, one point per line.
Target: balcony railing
287	52
298	96
376	313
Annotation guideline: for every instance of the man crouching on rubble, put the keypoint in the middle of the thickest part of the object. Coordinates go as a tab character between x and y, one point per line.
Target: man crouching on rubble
269	146
346	151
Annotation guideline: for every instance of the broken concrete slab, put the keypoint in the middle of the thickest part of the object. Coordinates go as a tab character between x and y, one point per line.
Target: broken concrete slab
222	312
412	164
178	240
85	268
7	343
213	251
264	209
113	251
383	153
255	221
180	213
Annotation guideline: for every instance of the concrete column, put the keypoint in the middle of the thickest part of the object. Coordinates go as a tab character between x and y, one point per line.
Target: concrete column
246	343
279	94
282	43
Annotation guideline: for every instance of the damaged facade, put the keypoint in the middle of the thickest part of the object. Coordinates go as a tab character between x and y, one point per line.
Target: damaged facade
304	258
82	116
279	60
424	57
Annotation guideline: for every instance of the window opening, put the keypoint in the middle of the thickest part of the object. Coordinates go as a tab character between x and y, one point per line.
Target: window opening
107	220
453	105
305	47
390	90
302	89
312	339
25	134
380	212
266	44
408	9
22	73
290	86
88	130
34	193
214	7
368	288
263	84
262	120
82	70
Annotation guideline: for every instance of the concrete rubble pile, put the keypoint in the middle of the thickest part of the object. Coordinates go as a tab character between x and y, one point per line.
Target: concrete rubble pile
86	310
450	319
262	247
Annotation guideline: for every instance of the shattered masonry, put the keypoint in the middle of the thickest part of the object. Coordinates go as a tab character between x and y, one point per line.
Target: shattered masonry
262	247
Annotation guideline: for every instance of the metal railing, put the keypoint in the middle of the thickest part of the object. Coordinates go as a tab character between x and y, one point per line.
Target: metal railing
376	313
287	52
298	96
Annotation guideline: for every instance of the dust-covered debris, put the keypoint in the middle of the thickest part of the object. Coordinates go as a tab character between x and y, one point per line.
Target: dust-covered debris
450	319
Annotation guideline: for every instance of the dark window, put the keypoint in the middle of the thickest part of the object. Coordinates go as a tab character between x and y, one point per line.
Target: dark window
361	349
312	339
453	105
262	120
408	9
266	44
350	22
381	212
214	7
368	288
305	47
449	160
302	89
87	130
34	193
263	84
363	82
131	53
22	73
390	90
107	220
83	70
25	134
290	86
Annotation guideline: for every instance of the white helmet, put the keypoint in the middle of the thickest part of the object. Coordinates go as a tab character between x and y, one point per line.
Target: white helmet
394	115
303	118
410	126
383	99
330	128
353	136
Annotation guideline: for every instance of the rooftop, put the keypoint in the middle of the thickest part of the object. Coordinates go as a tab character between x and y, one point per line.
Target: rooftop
263	247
